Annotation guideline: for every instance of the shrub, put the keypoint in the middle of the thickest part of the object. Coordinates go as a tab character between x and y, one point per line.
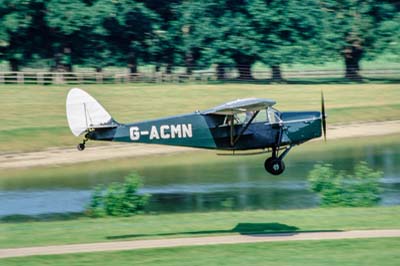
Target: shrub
118	199
335	188
95	208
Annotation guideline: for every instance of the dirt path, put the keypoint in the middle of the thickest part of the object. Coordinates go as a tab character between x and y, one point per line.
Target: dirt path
192	241
56	156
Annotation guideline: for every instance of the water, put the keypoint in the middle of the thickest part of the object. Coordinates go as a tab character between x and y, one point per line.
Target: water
200	181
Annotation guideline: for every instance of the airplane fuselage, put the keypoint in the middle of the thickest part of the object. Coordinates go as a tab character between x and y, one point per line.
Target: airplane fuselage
242	124
209	131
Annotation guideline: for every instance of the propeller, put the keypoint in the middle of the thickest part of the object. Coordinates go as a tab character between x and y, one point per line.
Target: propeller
323	115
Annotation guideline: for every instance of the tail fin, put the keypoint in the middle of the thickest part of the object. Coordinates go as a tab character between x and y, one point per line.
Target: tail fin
84	113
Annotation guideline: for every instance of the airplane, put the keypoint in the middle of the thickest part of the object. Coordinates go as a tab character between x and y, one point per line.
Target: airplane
240	125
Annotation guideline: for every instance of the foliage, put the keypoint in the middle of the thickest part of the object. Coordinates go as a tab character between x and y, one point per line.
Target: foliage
117	199
356	30
98	33
338	189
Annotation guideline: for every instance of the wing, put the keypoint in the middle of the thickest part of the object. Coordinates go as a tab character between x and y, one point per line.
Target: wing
240	106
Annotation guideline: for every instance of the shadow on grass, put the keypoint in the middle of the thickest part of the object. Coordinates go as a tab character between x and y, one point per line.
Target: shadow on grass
241	228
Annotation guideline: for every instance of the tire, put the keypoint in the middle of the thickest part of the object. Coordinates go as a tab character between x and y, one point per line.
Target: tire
80	147
274	166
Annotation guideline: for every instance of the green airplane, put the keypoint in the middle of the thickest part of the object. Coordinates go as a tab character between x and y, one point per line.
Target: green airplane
240	125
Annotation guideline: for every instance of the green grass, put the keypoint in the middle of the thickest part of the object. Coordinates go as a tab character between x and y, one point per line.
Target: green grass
85	230
33	116
351	252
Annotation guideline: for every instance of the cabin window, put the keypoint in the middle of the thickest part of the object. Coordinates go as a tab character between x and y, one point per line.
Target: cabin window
261	117
273	115
238	119
269	115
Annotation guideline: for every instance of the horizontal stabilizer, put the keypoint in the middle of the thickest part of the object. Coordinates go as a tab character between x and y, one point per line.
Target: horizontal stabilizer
84	113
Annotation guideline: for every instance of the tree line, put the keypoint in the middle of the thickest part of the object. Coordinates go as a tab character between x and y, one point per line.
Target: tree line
197	34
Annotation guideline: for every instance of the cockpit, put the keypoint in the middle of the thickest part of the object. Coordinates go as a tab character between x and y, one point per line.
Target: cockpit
269	115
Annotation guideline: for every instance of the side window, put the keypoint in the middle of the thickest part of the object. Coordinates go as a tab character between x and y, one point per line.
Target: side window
262	117
273	115
238	119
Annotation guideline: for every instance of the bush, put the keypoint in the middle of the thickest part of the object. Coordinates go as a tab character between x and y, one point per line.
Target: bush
118	199
335	188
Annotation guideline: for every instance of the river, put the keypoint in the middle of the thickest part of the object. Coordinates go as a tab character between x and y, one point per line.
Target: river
200	181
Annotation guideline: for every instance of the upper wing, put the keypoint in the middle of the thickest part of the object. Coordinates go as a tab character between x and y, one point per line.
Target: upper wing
240	106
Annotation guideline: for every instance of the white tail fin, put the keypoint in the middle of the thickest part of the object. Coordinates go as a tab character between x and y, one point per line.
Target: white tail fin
84	112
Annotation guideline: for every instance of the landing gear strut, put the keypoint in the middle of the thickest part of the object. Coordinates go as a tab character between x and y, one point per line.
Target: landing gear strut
275	165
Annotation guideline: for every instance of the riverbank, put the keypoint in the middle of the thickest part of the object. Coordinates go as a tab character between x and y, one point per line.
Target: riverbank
86	230
59	156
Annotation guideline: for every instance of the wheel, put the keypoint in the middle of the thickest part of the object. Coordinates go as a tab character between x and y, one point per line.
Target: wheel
80	147
274	166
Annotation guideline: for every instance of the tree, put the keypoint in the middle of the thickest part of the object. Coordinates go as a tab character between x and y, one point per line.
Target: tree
356	29
240	33
69	21
129	29
186	32
288	32
22	31
163	49
217	32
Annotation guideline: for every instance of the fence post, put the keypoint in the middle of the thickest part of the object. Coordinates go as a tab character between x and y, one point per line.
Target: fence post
99	78
20	77
39	78
54	74
80	78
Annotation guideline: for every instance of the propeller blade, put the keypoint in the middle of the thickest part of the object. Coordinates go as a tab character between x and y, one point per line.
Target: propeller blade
323	115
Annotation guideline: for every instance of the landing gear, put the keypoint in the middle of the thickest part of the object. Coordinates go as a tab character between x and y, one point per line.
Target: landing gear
275	165
81	146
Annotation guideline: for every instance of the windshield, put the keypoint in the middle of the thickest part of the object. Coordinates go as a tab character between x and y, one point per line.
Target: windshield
273	115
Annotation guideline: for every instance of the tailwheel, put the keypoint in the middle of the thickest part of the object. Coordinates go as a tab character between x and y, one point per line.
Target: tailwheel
274	166
80	146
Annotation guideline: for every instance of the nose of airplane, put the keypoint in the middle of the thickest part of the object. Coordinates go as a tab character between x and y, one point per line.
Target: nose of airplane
303	126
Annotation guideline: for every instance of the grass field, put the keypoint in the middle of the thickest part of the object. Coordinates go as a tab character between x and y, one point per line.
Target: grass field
380	251
33	116
86	230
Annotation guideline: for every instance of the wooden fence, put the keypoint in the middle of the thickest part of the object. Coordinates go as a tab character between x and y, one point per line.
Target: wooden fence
42	78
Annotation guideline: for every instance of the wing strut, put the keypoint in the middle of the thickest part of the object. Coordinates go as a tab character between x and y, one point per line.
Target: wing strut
242	130
232	118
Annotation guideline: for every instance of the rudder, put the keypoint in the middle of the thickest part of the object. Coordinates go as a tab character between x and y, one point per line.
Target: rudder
84	113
